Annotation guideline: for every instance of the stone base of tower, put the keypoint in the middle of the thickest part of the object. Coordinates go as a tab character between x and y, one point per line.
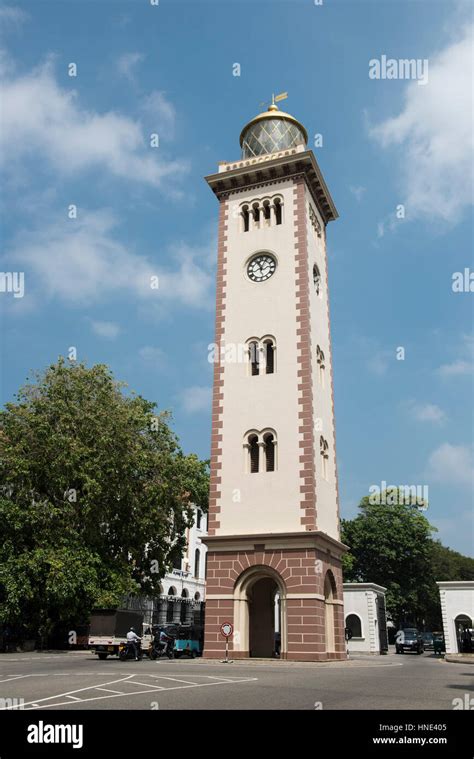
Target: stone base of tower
301	570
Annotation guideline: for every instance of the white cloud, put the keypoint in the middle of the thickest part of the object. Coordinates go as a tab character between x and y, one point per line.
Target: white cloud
127	63
154	357
161	111
81	261
426	412
109	330
196	398
434	134
42	119
9	14
379	361
455	368
451	464
464	365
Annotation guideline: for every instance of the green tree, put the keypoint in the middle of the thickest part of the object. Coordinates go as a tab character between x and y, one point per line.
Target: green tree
391	544
95	496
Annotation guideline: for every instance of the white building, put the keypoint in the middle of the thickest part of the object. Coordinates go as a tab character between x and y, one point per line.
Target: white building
457	609
365	616
183	588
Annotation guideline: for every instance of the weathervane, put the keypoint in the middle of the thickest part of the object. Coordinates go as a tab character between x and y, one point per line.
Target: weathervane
277	98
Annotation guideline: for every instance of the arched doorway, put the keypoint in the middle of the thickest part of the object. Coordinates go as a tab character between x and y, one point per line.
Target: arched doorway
462	625
258	593
329	598
262	617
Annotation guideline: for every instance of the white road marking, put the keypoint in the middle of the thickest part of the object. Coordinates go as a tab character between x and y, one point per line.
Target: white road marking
107	689
137	693
78	690
175	680
13	677
155	687
74	698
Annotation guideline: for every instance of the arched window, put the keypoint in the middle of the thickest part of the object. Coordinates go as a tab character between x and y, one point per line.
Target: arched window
198	518
269	356
197	561
254	358
245	218
170	605
253	453
183	616
324	453
269	441
197	596
278	214
321	365
317	279
256	214
354	624
266	212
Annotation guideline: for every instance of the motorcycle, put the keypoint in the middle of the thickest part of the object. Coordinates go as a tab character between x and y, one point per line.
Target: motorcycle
126	650
157	650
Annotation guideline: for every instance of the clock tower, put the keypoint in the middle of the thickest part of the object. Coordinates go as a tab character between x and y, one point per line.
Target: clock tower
274	550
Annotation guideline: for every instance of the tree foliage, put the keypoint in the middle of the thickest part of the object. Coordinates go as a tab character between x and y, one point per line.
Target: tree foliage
95	495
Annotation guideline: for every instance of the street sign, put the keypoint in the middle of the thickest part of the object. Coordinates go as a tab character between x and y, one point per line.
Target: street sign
227	629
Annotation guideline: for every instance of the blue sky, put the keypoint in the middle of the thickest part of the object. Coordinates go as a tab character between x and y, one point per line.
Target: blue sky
145	211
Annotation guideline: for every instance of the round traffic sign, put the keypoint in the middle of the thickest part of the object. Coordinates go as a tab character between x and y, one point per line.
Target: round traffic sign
227	629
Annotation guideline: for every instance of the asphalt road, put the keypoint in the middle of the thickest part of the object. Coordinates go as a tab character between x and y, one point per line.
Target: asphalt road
75	681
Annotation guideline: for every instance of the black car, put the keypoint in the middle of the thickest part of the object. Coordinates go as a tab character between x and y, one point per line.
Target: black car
428	640
409	640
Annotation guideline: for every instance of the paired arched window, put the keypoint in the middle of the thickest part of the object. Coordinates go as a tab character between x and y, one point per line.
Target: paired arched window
261	355
317	280
324	454
261	212
354	624
321	362
260	451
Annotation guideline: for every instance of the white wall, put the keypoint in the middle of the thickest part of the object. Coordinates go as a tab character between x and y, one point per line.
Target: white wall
270	501
456	598
360	599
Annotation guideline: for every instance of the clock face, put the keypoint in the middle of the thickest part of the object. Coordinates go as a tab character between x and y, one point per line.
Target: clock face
261	267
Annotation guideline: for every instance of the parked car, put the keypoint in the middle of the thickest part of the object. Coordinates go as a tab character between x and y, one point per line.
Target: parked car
438	643
409	640
428	640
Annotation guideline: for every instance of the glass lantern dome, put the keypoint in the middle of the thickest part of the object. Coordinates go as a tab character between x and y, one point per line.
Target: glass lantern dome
271	131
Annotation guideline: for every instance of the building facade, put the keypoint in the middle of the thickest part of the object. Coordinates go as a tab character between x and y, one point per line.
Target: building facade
365	617
273	533
457	609
183	588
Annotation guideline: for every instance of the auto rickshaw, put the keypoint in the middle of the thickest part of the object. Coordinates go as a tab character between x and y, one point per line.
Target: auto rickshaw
188	641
